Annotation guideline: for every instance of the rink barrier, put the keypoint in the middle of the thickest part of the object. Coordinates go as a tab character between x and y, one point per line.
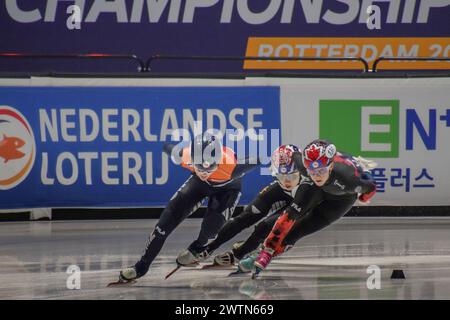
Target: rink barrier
89	56
381	74
245	58
155	213
429	59
144	65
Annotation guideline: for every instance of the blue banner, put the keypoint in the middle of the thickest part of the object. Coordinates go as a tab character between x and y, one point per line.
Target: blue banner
202	27
102	147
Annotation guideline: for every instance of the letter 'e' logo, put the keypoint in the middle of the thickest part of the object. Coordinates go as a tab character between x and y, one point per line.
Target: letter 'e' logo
17	148
369	128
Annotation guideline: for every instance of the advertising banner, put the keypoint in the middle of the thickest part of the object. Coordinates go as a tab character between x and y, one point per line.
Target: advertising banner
317	28
368	48
402	124
102	147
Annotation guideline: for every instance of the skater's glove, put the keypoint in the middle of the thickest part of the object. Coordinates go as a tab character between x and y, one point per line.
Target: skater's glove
365	197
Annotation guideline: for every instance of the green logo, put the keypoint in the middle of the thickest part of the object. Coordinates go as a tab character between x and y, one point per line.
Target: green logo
361	127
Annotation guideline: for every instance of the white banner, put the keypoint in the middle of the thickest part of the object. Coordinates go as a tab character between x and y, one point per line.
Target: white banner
402	124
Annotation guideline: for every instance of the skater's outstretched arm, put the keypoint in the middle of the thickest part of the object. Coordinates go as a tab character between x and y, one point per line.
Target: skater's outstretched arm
174	151
358	181
244	166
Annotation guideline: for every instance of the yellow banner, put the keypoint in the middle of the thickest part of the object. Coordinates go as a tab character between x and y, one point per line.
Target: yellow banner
368	48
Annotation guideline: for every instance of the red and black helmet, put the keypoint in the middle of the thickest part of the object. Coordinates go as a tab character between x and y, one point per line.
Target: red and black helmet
282	159
318	154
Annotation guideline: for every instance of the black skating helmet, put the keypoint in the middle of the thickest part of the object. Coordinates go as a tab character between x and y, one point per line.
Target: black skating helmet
206	152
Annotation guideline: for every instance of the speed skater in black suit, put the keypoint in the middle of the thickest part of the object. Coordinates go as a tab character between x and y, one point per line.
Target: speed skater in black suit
216	176
336	181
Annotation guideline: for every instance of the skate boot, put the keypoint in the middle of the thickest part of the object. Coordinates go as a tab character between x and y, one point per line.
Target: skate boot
204	254
194	254
225	259
221	261
187	258
263	260
127	275
247	264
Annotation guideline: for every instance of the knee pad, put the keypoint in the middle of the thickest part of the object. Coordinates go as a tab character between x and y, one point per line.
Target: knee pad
279	232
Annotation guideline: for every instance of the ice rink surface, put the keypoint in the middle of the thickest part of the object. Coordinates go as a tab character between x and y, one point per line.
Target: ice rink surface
331	264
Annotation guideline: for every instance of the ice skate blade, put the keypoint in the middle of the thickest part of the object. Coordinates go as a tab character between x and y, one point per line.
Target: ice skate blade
173	271
256	273
239	273
216	266
121	283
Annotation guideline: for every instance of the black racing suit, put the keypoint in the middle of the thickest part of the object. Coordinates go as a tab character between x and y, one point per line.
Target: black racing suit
268	205
314	208
270	201
222	200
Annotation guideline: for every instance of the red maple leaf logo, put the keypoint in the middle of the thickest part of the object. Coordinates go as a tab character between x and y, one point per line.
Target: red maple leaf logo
314	152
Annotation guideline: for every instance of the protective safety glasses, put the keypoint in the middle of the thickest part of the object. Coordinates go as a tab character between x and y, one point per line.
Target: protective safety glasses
288	177
319	171
206	170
